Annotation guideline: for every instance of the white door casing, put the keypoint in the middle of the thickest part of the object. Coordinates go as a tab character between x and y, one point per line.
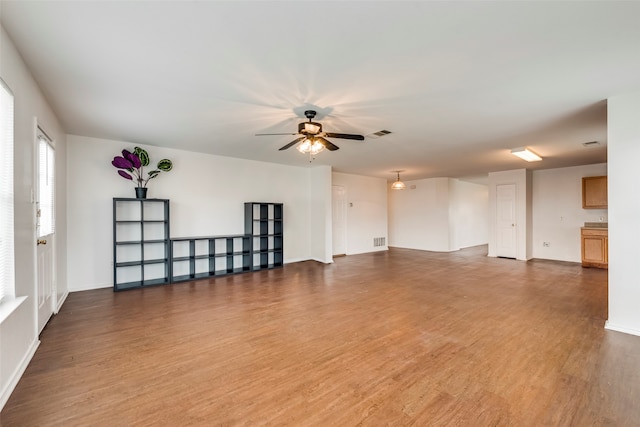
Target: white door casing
45	227
506	239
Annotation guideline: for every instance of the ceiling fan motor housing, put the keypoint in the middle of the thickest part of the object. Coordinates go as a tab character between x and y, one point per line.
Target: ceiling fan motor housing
309	128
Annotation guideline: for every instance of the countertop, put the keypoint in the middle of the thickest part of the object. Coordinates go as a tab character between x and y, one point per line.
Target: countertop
598	225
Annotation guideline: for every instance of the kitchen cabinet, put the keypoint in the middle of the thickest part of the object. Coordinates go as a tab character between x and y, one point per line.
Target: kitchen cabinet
594	192
594	247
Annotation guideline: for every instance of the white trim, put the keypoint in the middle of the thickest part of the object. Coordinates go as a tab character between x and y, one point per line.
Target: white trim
608	325
60	302
17	374
320	261
291	261
91	287
8	305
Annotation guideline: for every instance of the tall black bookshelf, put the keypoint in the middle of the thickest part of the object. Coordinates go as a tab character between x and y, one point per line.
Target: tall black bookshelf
141	249
263	222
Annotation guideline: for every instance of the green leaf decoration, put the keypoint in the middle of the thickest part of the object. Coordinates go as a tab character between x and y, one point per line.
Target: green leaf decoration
165	165
142	155
153	173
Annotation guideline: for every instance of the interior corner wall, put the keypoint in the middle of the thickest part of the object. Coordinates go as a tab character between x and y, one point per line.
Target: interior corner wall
419	215
468	213
522	180
366	211
18	332
558	213
320	236
623	152
438	214
207	195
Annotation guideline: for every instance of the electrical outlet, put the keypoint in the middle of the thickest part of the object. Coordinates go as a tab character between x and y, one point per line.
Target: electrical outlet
546	244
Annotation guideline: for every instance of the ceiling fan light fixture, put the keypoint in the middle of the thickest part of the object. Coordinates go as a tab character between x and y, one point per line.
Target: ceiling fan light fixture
305	146
316	148
312	128
398	185
311	146
526	154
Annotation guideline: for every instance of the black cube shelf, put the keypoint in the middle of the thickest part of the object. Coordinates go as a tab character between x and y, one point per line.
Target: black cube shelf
144	255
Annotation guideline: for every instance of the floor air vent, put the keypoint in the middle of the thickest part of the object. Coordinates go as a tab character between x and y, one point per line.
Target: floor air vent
379	241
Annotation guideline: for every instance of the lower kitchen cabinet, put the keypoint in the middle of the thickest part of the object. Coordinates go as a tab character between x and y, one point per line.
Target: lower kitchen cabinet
594	244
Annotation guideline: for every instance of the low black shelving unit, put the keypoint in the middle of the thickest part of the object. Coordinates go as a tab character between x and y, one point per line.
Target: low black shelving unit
145	255
208	256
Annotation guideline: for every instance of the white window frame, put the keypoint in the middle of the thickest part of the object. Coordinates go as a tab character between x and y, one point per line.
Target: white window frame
7	259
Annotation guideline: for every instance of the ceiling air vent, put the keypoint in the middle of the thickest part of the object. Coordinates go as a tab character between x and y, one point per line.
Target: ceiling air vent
591	144
379	134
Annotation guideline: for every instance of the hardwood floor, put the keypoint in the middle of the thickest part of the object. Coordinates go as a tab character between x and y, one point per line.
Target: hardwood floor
392	338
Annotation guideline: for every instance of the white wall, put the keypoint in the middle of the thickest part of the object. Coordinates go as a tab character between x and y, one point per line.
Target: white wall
557	211
207	196
522	179
18	332
419	215
320	236
438	214
468	214
623	152
366	211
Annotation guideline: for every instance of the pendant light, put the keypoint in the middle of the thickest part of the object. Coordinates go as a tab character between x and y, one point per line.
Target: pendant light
398	185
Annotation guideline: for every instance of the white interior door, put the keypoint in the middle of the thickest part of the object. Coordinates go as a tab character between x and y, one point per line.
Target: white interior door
506	216
339	219
45	228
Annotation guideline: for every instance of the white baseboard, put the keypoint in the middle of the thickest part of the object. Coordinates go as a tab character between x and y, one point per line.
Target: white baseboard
61	301
89	287
321	262
610	326
292	260
17	374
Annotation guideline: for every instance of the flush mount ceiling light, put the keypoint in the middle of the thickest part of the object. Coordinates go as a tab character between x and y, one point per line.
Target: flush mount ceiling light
526	154
398	185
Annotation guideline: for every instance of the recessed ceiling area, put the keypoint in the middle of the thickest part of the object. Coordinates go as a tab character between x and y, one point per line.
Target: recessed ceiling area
457	84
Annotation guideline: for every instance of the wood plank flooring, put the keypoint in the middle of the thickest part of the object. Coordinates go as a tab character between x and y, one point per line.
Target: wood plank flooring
395	338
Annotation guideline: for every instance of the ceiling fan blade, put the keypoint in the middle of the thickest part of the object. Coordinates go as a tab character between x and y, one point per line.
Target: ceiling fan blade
292	143
263	134
344	136
328	145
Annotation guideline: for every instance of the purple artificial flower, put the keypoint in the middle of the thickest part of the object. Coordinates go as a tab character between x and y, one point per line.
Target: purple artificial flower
135	160
122	163
125	175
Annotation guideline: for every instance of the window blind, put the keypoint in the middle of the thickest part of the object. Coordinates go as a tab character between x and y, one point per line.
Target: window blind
7	273
46	185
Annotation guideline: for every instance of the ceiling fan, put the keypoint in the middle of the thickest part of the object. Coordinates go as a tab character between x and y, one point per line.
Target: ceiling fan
313	138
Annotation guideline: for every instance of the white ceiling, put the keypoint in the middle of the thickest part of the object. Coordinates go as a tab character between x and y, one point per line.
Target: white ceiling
458	83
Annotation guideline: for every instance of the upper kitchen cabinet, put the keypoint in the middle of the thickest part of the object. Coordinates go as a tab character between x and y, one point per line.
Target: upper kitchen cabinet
594	192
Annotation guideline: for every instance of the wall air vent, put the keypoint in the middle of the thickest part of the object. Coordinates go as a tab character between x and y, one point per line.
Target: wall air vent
379	134
591	144
379	241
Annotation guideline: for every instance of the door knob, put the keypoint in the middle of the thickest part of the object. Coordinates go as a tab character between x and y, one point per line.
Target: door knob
42	242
